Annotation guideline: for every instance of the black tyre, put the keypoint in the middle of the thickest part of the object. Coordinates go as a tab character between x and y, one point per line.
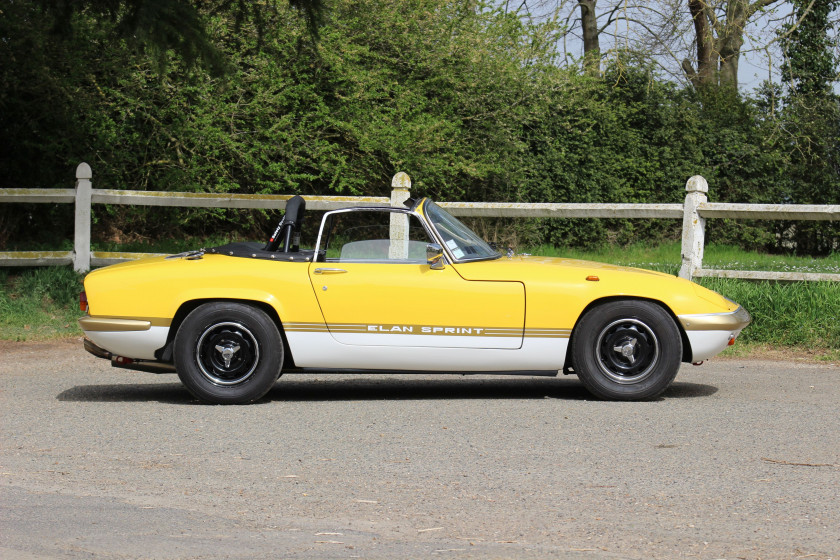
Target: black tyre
626	350
228	353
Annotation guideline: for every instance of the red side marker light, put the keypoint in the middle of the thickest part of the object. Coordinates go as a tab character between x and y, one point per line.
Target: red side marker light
731	340
83	302
592	278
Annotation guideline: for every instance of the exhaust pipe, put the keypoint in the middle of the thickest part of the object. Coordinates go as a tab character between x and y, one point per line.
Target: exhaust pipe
128	363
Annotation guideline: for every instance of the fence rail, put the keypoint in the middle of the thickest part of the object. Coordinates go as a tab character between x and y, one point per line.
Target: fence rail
693	213
561	210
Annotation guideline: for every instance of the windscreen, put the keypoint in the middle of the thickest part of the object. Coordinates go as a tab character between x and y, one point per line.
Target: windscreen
464	244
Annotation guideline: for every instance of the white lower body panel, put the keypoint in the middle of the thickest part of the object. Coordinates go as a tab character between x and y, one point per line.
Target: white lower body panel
321	350
707	344
428	341
139	345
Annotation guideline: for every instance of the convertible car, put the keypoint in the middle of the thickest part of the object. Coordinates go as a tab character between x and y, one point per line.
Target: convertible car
397	289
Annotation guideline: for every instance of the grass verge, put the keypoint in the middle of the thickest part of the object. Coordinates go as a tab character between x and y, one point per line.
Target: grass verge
666	258
39	303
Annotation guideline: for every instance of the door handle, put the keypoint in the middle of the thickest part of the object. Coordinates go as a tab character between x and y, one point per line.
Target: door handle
329	271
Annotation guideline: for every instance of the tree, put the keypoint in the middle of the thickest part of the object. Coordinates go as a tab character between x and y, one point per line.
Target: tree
811	120
177	25
719	27
810	65
696	41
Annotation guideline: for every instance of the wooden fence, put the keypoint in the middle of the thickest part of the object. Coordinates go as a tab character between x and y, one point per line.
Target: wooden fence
693	213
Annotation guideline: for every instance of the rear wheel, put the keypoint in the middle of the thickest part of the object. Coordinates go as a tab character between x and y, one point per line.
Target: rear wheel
228	353
626	350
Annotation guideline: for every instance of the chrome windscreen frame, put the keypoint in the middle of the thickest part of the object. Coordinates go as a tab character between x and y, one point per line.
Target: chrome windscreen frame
427	226
439	238
430	228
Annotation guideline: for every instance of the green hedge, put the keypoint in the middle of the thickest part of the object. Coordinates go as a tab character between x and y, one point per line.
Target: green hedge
473	104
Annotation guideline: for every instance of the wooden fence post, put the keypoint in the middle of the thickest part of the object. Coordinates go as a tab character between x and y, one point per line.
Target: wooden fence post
694	227
400	192
81	238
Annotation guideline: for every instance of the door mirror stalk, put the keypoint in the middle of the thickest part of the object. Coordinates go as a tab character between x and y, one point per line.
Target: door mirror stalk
434	256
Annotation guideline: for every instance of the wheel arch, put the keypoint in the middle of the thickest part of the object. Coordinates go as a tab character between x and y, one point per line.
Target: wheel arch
686	344
165	353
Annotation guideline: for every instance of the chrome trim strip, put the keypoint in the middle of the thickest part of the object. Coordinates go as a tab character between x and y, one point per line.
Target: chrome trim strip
729	321
155	321
103	324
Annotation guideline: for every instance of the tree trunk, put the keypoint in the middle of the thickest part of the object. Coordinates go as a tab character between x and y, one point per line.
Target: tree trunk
705	73
591	41
719	40
730	52
730	39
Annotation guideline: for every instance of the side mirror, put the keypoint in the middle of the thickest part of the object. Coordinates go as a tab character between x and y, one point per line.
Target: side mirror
434	256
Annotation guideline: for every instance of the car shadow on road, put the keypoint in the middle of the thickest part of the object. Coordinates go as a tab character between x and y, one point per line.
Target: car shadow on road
293	388
372	389
563	388
683	390
167	393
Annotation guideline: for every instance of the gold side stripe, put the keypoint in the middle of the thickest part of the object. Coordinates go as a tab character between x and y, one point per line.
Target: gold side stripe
426	330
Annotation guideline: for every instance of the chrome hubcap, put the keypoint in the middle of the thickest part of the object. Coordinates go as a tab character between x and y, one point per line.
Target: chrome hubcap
627	351
227	353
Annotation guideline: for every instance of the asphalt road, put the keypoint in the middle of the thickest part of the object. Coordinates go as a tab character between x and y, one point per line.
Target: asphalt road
739	459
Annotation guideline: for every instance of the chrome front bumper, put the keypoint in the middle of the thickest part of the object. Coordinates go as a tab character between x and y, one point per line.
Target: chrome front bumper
710	333
729	321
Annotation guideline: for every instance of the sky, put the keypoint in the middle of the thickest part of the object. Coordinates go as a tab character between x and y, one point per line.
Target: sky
760	58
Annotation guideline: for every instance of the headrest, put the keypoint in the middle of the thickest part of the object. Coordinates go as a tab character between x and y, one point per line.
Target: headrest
295	207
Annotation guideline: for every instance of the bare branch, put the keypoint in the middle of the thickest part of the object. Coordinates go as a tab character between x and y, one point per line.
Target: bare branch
610	19
760	4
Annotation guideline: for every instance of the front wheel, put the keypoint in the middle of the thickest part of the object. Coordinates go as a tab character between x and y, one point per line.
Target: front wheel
228	353
626	350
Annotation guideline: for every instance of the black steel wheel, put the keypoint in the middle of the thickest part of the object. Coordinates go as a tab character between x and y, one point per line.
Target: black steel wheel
228	353
626	350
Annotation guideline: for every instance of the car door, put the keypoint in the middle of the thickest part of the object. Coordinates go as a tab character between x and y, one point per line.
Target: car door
375	288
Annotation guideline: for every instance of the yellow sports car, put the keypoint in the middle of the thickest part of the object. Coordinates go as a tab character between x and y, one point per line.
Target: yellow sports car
397	289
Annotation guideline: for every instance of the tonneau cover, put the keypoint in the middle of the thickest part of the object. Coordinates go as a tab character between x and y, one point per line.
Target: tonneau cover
254	250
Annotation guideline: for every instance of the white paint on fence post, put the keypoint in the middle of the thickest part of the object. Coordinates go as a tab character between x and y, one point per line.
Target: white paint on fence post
400	192
694	227
81	241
